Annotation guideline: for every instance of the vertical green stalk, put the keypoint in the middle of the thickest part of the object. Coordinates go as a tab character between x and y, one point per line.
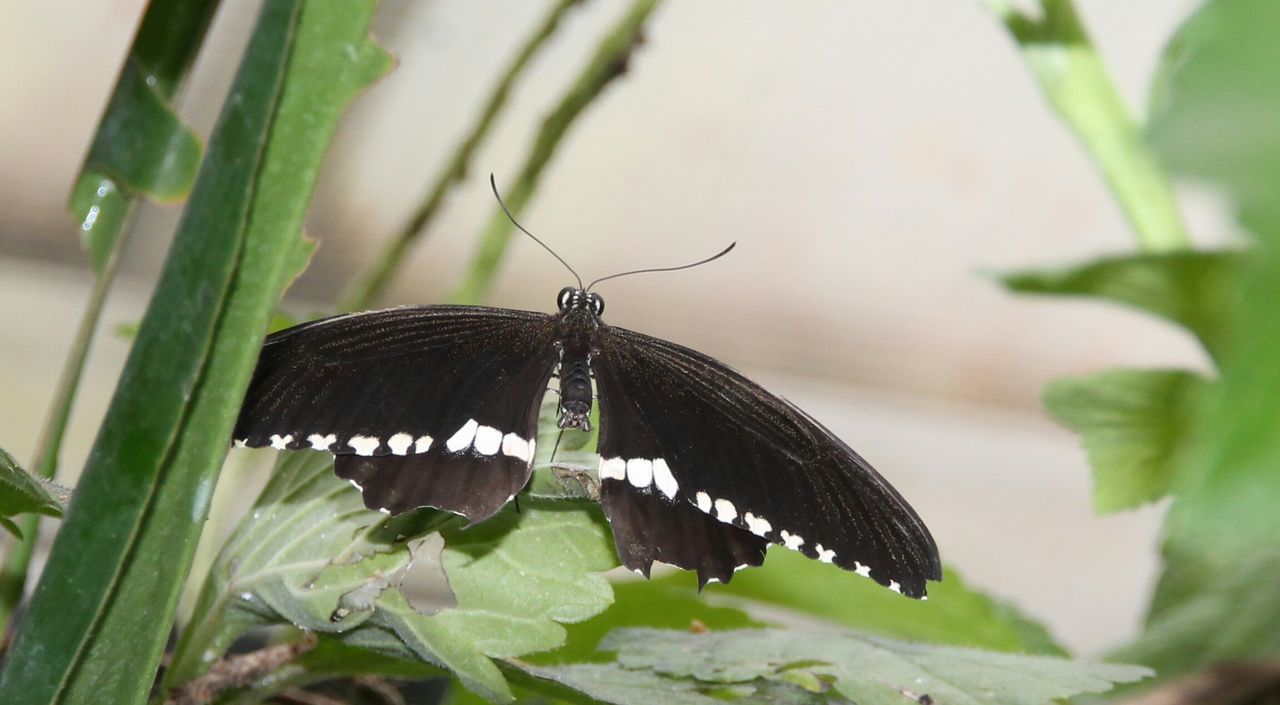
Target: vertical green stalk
609	62
1075	81
140	149
372	283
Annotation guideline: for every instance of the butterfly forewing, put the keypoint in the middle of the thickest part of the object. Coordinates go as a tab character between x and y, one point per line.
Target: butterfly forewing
681	427
424	406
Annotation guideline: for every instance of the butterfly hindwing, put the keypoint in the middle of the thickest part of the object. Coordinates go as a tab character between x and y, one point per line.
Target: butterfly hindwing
720	445
425	406
650	521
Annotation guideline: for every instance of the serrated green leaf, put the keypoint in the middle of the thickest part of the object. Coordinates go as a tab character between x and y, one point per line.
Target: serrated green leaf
1196	290
20	493
868	670
1215	105
1134	424
954	613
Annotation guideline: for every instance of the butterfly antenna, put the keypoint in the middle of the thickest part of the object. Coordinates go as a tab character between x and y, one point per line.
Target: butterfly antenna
493	183
712	258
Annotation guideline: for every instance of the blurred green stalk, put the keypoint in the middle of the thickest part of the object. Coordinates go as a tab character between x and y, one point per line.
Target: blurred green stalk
371	284
1075	81
609	62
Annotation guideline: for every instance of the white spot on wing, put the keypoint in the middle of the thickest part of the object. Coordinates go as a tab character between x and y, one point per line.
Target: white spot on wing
281	442
239	442
516	447
488	440
824	555
423	444
725	511
757	525
319	442
663	479
533	449
364	445
792	541
894	586
356	485
640	472
463	437
613	469
704	501
863	570
399	443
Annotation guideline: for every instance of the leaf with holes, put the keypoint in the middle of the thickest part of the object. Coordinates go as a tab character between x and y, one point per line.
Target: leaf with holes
515	577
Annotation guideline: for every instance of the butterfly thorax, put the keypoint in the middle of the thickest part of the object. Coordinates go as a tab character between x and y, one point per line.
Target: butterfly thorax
576	327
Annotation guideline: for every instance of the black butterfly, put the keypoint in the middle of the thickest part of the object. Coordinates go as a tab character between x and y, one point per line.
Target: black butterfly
700	467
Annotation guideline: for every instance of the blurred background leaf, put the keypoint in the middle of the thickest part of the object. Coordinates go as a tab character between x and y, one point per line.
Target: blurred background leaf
1134	424
1195	290
1215	104
955	613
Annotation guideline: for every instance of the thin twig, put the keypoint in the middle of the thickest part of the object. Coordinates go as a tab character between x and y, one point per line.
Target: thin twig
371	284
1060	55
239	671
306	697
609	62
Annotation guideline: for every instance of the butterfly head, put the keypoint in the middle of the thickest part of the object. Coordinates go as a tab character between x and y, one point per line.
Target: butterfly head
570	299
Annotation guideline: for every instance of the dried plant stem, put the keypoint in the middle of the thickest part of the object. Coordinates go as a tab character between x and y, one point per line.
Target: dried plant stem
239	671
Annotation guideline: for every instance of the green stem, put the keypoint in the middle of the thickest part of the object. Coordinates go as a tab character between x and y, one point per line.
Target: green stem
370	285
13	575
609	62
1057	48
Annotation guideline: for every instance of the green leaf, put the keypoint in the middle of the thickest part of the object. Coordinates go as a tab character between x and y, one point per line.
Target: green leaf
1217	598
954	613
132	526
868	670
1195	290
608	683
1134	424
636	604
1215	105
141	148
20	493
